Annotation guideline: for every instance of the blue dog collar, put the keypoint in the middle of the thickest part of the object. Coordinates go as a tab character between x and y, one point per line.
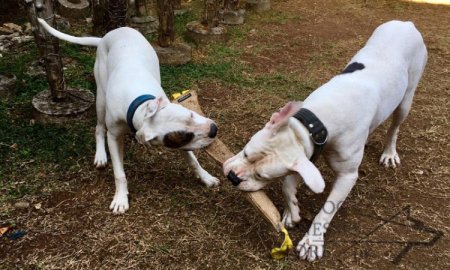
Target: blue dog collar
133	107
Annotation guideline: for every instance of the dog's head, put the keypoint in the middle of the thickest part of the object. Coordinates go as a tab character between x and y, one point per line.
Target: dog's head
272	152
174	126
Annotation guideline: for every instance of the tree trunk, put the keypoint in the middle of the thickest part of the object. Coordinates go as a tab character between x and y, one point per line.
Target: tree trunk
48	46
117	14
211	14
166	18
231	4
100	17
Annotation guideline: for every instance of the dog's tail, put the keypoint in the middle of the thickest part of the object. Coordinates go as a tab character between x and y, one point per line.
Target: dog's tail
87	41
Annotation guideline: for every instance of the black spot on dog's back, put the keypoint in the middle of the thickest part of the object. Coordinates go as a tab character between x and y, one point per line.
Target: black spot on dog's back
353	67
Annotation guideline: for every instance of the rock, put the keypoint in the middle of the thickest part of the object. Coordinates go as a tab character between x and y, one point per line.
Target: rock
22	39
232	17
5	31
147	28
22	205
175	55
77	106
73	8
13	27
257	5
145	19
201	34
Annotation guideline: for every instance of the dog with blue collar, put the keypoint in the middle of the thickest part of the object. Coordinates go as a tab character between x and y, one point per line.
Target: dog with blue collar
130	99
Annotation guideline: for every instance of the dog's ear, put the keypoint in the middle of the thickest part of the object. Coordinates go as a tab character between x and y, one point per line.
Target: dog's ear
281	118
310	174
153	106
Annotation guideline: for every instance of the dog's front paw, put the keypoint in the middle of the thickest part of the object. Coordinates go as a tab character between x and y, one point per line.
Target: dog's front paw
100	159
210	181
120	203
311	247
289	220
390	159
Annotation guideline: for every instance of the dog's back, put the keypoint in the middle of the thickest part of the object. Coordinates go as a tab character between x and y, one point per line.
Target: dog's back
126	47
375	81
394	40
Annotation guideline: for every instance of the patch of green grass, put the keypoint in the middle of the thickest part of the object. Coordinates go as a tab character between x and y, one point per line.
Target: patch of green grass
237	33
183	77
221	52
26	148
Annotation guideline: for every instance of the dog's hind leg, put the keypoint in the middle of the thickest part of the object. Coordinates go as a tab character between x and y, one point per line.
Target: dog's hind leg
201	173
120	202
291	215
389	157
100	153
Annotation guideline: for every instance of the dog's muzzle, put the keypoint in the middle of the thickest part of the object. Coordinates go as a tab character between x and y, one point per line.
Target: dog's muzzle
234	179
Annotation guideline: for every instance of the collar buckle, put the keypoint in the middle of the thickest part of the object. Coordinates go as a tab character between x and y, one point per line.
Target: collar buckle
319	138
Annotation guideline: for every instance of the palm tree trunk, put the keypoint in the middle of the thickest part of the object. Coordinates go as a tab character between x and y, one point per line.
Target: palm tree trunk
48	46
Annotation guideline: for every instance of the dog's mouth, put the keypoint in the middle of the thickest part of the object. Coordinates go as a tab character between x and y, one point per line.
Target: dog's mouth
177	139
197	145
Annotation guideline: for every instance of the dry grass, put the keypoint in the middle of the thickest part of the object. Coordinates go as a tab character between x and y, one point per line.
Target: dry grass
175	223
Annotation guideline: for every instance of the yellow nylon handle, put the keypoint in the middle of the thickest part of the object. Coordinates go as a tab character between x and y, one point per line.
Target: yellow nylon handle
283	251
177	95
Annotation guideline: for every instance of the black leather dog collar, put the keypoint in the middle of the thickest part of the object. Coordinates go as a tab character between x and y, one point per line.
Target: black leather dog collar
317	130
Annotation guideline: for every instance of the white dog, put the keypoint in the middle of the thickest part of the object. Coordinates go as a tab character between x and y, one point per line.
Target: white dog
380	80
130	97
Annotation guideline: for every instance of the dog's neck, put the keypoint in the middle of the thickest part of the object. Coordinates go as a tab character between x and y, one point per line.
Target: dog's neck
303	136
138	118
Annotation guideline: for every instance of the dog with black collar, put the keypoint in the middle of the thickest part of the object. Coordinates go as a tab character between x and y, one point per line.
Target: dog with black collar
130	98
379	81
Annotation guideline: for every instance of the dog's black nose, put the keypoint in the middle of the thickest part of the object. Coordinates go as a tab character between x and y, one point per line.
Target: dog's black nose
234	179
212	131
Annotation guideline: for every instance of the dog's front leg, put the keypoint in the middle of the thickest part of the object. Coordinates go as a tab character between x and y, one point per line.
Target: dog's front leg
201	173
311	247
291	215
120	202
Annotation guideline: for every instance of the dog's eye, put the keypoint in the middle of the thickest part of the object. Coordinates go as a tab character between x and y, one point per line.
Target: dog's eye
258	175
245	155
192	115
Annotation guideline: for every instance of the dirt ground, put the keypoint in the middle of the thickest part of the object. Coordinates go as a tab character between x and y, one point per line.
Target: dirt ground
392	219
